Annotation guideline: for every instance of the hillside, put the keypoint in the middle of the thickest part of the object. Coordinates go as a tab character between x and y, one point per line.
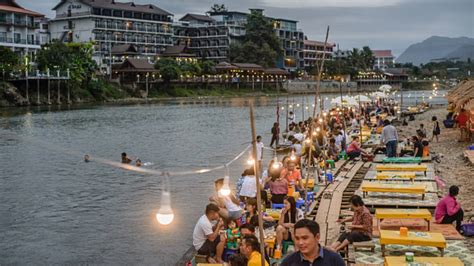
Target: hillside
436	47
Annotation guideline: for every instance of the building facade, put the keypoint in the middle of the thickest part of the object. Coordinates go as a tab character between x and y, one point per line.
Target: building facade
314	51
383	59
108	23
292	43
18	30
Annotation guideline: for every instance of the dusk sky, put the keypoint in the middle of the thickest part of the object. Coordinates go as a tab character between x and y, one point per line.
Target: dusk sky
380	24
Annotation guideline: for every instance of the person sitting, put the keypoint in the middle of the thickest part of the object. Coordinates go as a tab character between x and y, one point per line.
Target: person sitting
310	252
249	187
361	227
251	215
206	237
232	235
448	209
417	147
288	217
354	150
238	260
278	187
292	175
421	131
125	159
247	229
333	150
229	206
250	248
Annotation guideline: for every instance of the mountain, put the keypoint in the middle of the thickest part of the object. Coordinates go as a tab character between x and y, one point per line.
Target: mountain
436	47
463	53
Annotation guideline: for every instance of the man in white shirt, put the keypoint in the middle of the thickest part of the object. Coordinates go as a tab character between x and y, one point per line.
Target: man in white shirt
259	152
291	118
206	235
390	138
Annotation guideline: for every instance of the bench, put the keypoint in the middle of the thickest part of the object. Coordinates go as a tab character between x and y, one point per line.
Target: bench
445	261
390	175
401	168
381	214
389	237
391	188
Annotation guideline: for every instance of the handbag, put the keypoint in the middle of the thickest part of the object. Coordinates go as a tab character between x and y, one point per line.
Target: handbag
467	229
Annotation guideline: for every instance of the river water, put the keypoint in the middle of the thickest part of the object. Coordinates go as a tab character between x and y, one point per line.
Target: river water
56	209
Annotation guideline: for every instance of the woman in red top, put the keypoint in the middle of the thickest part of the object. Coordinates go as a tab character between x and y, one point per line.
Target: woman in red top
354	150
462	119
361	227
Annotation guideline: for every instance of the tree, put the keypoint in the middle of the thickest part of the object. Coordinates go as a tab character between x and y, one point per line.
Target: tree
260	46
368	58
216	8
9	61
169	69
207	67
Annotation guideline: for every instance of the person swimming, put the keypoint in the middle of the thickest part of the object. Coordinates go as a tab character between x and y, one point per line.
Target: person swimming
138	163
87	158
125	159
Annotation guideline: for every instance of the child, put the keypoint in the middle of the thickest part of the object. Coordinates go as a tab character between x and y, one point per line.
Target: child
233	235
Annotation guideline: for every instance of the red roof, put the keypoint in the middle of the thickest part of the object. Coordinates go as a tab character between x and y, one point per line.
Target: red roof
382	53
17	9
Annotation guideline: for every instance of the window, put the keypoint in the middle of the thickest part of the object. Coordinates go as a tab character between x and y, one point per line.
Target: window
3	36
127	14
17	37
117	13
45	26
3	17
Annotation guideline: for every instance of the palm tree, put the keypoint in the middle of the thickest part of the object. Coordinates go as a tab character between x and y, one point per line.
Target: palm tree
368	57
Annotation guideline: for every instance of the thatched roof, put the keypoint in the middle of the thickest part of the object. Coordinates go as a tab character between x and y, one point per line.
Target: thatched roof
463	95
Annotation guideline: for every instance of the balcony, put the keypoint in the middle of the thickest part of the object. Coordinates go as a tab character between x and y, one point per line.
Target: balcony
19	41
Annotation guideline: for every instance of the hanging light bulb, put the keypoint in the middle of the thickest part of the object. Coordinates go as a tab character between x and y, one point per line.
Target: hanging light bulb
225	189
251	160
291	106
282	108
307	107
325	114
314	105
318	129
308	140
165	214
314	133
275	164
320	120
297	105
293	156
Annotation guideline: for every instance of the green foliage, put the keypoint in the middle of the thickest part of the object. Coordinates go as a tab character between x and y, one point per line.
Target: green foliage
362	60
207	67
9	61
260	46
190	69
216	8
169	69
103	90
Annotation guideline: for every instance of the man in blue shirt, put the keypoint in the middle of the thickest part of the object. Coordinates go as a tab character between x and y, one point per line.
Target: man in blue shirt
310	252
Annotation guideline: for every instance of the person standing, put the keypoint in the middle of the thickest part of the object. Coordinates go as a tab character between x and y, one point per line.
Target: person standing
259	152
436	129
448	209
275	134
390	138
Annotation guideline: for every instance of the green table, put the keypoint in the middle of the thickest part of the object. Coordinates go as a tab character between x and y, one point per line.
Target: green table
402	160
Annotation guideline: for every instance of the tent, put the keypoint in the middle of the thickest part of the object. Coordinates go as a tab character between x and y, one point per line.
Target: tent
346	101
362	99
385	88
378	95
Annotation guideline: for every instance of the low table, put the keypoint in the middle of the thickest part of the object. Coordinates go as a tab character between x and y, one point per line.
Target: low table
390	175
402	160
381	214
391	188
275	213
389	237
444	261
402	167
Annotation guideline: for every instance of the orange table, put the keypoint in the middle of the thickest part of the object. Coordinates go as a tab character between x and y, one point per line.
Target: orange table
444	261
388	237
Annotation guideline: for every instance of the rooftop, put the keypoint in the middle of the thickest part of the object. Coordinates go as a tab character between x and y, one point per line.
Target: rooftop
198	17
129	6
382	53
12	6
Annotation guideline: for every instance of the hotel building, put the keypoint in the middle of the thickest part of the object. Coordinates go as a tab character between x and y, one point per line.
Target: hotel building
383	59
314	51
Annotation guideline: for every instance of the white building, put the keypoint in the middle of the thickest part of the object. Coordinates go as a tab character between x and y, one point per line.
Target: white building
109	23
314	52
383	59
18	30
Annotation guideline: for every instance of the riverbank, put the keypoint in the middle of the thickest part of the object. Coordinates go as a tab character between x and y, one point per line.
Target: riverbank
454	169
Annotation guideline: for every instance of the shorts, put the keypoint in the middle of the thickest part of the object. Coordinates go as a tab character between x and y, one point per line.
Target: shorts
353	236
234	215
209	247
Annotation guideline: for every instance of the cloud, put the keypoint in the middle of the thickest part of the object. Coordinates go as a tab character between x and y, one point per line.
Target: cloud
329	3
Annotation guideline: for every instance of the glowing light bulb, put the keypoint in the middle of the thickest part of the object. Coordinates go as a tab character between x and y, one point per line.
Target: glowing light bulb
320	120
225	189
308	140
325	114
283	108
314	105
291	106
293	156
297	105
165	214
314	133
318	129
337	109
307	107
275	164
430	97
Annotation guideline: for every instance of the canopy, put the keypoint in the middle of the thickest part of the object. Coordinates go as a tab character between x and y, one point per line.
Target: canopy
463	95
378	94
346	100
385	88
362	99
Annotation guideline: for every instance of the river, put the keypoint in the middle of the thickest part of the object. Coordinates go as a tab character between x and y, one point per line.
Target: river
56	209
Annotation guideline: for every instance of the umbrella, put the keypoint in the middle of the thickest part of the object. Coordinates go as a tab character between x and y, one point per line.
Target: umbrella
378	94
346	100
362	99
385	88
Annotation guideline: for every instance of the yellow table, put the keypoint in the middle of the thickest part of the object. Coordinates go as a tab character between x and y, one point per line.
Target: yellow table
402	167
391	188
388	237
390	175
310	183
445	261
381	214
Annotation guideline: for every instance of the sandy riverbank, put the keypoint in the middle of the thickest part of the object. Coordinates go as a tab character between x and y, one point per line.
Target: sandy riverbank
454	169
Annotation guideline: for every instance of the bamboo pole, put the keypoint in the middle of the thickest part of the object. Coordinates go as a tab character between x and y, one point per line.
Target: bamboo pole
318	77
257	180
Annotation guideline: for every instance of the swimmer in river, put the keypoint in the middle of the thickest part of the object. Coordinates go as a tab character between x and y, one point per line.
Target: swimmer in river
87	158
125	159
138	163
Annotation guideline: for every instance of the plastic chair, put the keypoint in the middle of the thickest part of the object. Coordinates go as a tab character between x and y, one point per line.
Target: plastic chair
285	244
278	205
227	252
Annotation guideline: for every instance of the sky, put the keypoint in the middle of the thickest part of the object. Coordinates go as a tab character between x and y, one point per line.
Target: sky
379	24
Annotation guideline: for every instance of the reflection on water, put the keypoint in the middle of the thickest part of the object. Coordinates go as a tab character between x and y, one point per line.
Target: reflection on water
56	209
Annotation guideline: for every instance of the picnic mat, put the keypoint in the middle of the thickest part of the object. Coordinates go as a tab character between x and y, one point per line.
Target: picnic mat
455	248
448	230
371	175
378	199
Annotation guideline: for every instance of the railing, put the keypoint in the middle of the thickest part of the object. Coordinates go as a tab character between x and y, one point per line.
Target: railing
19	41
